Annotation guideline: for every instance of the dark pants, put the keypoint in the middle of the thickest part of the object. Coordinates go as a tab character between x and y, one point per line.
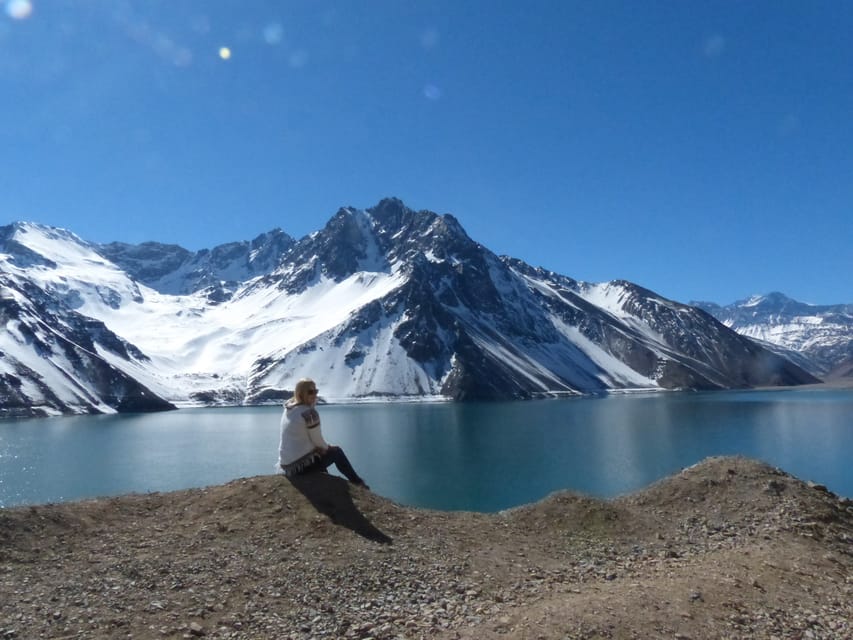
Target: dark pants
334	456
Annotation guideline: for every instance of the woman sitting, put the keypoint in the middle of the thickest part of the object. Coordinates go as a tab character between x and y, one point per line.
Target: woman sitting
302	448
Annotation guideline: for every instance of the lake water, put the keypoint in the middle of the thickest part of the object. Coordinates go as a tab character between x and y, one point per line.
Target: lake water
482	456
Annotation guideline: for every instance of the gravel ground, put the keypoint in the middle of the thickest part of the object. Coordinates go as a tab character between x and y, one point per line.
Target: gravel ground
729	548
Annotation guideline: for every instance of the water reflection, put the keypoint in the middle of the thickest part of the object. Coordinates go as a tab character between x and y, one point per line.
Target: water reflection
448	456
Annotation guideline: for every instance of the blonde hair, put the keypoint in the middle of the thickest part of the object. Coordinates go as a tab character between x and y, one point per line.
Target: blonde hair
300	392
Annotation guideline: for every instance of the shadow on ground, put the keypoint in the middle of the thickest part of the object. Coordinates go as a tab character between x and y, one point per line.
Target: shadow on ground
330	495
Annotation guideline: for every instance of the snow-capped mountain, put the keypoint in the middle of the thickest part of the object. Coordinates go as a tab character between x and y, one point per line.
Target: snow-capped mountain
381	303
51	356
820	337
172	269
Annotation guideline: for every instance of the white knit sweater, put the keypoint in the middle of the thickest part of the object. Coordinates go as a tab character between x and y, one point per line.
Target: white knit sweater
301	438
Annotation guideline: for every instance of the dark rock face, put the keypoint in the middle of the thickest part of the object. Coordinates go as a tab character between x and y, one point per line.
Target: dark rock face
844	371
147	262
679	346
173	269
64	340
481	327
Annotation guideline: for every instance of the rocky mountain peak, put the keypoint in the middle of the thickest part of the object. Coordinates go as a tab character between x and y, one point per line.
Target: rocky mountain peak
172	269
29	243
385	301
774	302
376	239
821	336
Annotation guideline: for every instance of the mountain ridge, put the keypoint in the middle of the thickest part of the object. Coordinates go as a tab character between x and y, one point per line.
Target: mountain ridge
820	335
384	302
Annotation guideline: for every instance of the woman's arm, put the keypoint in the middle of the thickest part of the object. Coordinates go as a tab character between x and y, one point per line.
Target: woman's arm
312	424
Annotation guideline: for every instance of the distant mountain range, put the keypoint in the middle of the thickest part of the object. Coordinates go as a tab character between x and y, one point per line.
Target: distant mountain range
817	337
381	303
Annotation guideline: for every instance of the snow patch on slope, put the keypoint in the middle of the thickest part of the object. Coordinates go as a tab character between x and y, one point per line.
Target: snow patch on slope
191	345
370	364
616	372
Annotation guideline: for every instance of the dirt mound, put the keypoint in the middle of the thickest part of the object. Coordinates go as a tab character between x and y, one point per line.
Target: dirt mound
729	548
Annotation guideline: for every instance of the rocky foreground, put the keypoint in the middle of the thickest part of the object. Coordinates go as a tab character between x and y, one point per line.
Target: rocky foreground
729	548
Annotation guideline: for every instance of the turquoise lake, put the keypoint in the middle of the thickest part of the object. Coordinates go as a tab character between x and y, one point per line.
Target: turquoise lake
479	456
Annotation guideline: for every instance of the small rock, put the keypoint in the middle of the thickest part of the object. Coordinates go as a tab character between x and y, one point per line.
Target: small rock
818	487
774	486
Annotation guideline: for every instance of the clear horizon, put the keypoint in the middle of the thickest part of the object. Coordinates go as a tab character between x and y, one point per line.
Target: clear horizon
701	151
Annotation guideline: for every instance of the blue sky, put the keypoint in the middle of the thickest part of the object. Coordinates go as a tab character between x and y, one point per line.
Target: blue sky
701	149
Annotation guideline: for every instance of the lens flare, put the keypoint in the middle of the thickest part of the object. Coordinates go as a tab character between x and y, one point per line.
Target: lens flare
429	38
19	9
273	33
432	92
298	59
